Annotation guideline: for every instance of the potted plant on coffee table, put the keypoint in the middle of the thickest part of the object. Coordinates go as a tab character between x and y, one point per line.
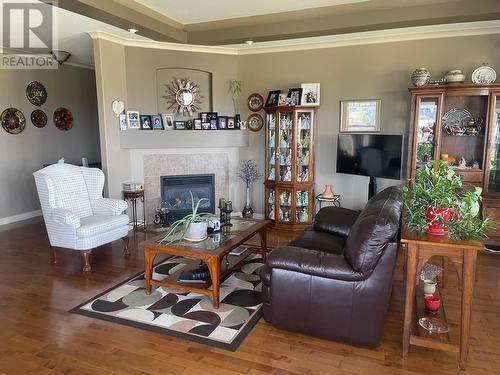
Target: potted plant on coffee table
192	227
438	203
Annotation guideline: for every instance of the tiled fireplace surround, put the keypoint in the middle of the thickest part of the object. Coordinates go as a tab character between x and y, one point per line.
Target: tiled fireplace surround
156	165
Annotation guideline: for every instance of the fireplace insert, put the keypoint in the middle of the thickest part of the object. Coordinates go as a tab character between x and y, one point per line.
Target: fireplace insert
175	192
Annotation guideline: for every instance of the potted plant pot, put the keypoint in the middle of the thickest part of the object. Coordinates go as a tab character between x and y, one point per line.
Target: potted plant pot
196	231
432	216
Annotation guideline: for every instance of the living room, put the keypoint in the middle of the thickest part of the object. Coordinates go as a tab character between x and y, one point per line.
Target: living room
123	312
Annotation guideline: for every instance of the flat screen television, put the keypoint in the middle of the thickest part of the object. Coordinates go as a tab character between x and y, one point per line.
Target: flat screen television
373	155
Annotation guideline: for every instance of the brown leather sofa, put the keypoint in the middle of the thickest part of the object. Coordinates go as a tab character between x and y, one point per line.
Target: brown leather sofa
335	280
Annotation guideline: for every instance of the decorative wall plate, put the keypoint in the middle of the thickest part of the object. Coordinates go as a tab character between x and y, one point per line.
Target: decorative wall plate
255	102
484	75
38	118
255	122
13	121
36	93
63	119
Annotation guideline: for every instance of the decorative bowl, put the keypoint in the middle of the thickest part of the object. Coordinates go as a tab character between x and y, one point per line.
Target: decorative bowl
454	76
420	77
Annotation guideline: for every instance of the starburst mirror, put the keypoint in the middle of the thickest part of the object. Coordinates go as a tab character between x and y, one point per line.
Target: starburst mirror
183	96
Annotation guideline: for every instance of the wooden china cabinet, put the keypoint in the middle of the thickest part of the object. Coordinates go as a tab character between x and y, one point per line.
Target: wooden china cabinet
459	123
289	179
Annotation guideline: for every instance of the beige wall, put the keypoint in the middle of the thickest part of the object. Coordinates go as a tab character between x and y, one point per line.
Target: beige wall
129	74
24	153
378	71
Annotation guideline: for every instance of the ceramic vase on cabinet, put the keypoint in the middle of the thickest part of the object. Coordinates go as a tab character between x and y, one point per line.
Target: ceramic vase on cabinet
454	76
420	77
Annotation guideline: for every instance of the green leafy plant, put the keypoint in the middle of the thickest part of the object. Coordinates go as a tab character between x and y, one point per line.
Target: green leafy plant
438	186
424	149
178	229
235	89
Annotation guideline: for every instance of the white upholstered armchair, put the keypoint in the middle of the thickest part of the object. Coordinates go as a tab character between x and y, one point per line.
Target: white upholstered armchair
76	215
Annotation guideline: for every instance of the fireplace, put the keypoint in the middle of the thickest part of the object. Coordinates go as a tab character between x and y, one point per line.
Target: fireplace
175	192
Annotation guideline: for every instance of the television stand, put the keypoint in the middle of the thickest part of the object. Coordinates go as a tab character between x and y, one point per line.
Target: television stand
372	187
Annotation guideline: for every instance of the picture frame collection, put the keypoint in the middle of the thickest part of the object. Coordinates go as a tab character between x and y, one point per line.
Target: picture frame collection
133	120
308	94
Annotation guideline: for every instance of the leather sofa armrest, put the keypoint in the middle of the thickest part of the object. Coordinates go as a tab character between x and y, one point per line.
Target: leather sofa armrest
311	262
335	220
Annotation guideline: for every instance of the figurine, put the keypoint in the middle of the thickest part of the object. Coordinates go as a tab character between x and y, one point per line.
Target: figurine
271	140
280	214
462	163
306	141
271	214
282	160
288	159
271	198
288	174
283	143
271	174
304	216
305	159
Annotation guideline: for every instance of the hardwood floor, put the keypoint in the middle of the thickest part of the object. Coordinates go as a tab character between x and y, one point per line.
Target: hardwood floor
39	336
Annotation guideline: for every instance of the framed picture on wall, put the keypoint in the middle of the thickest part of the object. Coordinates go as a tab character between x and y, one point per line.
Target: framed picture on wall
310	93
197	124
133	120
180	125
157	123
146	122
123	121
294	96
273	98
360	115
222	122
168	121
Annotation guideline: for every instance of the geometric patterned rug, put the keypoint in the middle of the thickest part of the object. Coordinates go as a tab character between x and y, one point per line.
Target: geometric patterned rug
185	315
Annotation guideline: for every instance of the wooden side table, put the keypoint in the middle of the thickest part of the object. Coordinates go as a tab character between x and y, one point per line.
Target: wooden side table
133	197
419	249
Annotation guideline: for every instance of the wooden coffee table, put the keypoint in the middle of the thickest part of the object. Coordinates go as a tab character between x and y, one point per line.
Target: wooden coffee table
213	251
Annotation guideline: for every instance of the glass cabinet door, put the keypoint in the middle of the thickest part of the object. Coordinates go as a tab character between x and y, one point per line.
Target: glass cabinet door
303	209
427	116
271	147
303	137
285	142
493	177
284	214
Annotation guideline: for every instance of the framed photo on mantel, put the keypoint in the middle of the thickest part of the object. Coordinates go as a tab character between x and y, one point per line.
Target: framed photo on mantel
360	115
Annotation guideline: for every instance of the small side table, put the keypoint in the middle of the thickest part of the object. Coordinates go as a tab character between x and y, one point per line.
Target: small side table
133	197
320	201
419	249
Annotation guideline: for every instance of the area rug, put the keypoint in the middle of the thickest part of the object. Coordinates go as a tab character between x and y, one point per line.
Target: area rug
185	315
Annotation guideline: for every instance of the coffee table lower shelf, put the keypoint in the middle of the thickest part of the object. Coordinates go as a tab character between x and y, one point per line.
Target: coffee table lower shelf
202	287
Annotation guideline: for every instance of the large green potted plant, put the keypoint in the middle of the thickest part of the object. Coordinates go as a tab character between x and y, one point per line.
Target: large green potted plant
192	227
436	202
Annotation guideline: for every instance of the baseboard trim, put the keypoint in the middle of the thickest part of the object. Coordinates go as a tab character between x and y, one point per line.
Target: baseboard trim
20	217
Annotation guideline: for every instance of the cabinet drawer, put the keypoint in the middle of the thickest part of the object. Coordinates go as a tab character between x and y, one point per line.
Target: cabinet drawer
470	176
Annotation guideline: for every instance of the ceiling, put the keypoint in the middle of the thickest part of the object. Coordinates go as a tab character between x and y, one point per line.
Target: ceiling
197	11
227	22
72	34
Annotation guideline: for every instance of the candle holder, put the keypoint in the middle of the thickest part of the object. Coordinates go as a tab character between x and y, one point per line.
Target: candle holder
226	207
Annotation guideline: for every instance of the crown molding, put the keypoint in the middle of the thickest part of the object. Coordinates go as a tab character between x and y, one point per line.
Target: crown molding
342	40
102	35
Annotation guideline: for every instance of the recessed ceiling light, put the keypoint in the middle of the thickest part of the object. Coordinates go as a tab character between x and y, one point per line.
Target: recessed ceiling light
132	30
249	42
